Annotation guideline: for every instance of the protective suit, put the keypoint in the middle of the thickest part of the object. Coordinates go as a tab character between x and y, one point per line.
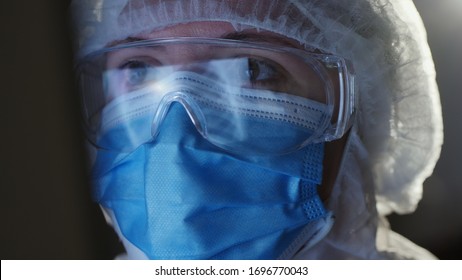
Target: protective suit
396	136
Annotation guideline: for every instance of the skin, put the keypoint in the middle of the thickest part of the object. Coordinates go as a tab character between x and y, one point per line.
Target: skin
333	150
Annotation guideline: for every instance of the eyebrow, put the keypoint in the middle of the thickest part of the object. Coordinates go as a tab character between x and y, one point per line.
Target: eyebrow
265	37
238	35
124	41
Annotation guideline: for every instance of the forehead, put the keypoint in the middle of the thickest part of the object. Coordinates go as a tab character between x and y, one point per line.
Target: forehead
211	29
101	25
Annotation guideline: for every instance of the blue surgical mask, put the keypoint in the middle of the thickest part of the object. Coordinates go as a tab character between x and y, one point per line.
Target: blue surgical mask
180	197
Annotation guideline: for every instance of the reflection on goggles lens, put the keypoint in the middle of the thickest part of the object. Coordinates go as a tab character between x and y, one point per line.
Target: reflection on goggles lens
237	94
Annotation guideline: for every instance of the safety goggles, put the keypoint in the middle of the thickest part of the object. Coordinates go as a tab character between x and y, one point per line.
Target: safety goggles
244	97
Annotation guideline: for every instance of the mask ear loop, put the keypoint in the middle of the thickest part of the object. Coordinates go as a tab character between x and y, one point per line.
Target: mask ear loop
311	234
92	152
318	229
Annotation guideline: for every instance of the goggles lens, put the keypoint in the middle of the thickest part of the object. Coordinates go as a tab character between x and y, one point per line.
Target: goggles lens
243	97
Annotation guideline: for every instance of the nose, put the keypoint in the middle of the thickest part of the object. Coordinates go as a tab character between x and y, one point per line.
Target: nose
183	109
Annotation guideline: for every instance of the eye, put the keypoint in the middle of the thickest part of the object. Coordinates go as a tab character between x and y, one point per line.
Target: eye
265	74
135	72
127	71
259	70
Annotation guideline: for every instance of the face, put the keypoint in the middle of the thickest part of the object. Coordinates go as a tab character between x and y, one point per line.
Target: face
177	56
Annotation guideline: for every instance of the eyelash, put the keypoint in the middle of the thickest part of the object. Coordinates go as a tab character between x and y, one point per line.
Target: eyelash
259	73
132	80
274	75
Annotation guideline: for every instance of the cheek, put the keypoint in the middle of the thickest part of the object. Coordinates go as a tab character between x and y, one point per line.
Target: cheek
115	85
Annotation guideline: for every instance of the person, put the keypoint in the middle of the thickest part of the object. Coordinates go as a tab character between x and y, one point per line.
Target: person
257	129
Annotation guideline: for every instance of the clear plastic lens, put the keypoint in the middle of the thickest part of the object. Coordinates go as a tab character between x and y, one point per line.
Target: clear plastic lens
240	96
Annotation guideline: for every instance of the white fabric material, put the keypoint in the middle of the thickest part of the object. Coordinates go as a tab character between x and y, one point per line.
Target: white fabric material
131	251
398	131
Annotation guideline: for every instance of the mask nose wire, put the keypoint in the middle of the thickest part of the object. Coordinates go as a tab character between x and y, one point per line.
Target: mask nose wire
192	108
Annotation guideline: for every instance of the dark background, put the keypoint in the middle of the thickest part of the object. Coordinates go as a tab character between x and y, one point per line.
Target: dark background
46	210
